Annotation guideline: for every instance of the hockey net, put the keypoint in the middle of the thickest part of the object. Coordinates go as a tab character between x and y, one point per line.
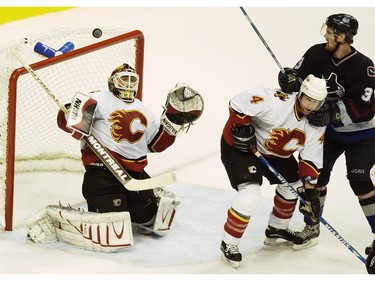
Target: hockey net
30	138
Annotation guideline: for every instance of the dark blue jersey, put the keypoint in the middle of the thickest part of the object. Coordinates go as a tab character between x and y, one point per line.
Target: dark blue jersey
351	81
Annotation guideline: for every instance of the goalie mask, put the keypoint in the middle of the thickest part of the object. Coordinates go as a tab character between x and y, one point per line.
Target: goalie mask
123	83
315	88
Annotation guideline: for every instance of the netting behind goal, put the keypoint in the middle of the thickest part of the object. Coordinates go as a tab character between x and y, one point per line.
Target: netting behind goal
30	138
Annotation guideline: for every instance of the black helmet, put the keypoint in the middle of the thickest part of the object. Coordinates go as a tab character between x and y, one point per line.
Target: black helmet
344	23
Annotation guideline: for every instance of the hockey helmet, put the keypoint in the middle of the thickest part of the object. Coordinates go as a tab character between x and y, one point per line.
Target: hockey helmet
123	83
315	88
343	23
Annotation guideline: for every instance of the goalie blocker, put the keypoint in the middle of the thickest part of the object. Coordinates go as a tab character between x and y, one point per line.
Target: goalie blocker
183	106
80	115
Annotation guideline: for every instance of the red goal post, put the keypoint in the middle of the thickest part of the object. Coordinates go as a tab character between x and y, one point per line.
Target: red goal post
30	139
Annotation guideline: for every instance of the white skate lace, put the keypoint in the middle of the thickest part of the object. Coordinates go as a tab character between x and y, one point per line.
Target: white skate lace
232	249
308	231
290	231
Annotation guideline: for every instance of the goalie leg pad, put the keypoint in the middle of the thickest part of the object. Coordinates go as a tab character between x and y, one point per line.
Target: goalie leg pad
40	228
161	223
168	203
100	232
165	215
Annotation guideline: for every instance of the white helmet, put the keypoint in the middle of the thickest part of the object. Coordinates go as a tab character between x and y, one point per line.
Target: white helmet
315	88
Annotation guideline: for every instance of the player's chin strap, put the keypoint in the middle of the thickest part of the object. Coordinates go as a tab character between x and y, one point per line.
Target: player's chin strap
322	220
182	107
105	232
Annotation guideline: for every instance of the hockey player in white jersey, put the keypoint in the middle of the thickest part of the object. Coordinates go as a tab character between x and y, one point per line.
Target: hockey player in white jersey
129	131
275	124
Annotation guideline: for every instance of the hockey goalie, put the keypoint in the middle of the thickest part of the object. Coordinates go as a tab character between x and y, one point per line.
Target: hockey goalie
129	131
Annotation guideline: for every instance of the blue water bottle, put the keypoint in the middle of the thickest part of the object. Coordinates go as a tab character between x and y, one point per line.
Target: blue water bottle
67	47
44	50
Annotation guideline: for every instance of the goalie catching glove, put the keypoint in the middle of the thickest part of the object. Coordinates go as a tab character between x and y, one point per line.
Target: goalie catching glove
80	115
183	106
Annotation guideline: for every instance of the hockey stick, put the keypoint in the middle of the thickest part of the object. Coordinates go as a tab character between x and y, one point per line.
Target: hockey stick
110	162
295	192
262	39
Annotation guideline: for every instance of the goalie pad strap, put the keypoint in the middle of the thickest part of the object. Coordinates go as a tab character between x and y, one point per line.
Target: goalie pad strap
40	228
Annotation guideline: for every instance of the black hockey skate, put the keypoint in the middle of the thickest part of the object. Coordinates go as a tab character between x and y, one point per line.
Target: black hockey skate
230	254
307	238
279	237
370	260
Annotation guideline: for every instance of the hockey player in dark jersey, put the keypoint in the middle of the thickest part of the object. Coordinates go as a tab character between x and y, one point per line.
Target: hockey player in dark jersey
348	113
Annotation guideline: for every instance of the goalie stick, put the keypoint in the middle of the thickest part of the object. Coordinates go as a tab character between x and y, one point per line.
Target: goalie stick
110	162
295	192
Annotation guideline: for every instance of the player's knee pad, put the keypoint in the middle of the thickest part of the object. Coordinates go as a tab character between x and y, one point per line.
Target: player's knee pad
107	203
247	198
361	187
285	192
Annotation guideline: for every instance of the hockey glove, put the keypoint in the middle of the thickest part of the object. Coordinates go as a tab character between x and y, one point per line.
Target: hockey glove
289	81
183	106
244	138
327	114
61	123
311	207
370	260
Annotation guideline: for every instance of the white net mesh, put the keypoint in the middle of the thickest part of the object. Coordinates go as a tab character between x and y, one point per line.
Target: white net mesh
39	144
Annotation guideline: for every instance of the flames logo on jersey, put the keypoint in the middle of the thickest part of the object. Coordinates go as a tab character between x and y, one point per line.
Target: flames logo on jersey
281	96
127	125
284	142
